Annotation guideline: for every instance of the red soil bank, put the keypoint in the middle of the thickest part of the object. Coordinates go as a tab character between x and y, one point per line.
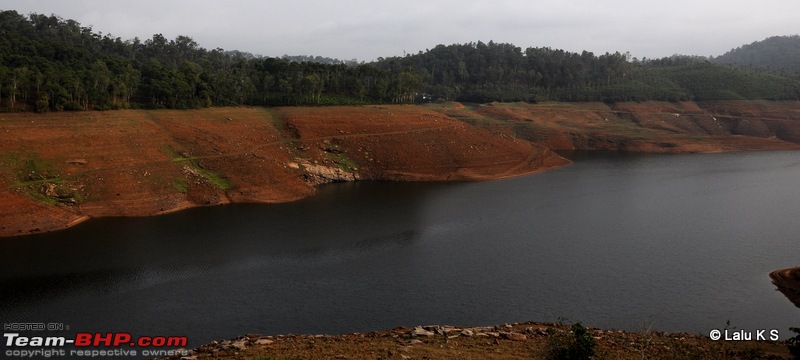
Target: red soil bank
61	168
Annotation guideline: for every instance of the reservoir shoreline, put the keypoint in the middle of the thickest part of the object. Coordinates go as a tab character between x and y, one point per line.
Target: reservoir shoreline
61	169
388	254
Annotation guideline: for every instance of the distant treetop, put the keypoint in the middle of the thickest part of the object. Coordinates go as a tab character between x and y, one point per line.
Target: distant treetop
51	64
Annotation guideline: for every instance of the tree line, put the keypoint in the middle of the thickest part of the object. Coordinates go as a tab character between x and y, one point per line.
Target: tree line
51	64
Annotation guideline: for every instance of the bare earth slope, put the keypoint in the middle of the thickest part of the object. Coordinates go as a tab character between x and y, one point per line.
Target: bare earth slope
658	127
59	169
62	168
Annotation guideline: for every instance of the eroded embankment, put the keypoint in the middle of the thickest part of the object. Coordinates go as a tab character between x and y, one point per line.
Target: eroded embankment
62	168
654	127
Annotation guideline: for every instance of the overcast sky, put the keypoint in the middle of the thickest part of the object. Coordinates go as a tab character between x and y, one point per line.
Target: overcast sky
367	29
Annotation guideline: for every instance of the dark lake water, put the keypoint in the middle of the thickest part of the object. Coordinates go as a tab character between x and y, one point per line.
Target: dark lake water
682	242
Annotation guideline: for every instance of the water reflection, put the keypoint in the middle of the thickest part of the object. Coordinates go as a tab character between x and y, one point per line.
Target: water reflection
788	282
583	242
115	255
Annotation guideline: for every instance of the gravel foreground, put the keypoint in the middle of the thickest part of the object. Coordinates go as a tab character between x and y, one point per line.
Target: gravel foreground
510	341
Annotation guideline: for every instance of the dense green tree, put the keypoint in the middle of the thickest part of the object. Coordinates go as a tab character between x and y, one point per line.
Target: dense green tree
406	86
48	63
18	84
3	75
312	85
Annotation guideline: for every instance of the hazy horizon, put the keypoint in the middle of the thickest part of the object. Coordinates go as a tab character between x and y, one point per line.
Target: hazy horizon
367	30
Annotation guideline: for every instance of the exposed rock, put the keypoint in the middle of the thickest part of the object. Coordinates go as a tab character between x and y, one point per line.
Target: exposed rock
419	331
618	344
188	170
514	336
49	190
449	329
59	193
56	192
321	174
482	329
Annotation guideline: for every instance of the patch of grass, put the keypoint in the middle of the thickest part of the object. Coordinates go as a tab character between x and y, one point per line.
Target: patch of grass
211	177
287	133
469	115
170	151
333	148
35	194
551	104
335	153
274	117
32	169
181	185
345	163
215	179
38	177
174	155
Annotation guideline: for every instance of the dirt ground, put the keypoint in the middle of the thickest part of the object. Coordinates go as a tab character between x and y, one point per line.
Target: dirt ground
412	143
511	341
58	169
653	127
62	168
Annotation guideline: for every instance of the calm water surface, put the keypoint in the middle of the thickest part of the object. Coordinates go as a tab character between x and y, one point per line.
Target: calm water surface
684	242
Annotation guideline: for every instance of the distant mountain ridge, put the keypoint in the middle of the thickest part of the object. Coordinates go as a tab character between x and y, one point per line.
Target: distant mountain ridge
776	53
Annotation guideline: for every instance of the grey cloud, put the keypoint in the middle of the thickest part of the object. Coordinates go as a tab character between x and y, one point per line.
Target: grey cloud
368	29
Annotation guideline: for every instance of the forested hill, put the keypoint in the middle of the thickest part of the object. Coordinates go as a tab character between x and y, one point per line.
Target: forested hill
51	64
780	54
